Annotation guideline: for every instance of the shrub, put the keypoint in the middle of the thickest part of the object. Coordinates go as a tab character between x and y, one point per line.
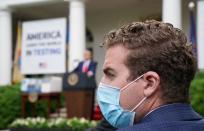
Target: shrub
10	104
197	93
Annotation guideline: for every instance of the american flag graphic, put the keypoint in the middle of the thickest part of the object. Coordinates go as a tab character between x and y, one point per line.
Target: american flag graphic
43	65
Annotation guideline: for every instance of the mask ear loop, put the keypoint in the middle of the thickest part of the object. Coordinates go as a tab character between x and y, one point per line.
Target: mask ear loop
139	104
125	87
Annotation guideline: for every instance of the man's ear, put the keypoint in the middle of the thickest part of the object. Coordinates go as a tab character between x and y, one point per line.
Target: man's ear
152	80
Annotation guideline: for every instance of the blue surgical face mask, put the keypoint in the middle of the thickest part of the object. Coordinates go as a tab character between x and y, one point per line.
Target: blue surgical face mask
109	102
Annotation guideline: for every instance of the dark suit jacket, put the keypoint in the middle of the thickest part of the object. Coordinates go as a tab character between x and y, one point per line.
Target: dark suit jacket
172	117
92	67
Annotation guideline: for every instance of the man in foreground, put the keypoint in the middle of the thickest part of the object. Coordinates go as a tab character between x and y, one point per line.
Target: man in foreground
148	69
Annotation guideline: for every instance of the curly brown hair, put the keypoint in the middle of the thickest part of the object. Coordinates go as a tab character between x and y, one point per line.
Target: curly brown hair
159	47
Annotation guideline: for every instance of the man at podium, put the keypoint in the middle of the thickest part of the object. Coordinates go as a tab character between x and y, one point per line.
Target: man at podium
79	88
87	66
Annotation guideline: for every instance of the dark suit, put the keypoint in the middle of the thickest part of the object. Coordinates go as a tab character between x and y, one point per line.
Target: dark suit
172	117
91	67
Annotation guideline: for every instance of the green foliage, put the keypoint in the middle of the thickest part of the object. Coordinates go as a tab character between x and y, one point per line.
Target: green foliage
10	104
197	93
74	124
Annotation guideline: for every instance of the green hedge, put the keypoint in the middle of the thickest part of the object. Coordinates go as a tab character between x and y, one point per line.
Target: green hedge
10	104
197	93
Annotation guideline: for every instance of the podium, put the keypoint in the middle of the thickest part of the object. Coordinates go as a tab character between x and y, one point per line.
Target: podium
79	92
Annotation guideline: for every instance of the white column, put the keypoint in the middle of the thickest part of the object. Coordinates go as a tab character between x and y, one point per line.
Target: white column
200	34
171	12
77	38
5	47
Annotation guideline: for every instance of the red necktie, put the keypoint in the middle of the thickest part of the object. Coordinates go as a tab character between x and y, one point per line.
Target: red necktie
85	68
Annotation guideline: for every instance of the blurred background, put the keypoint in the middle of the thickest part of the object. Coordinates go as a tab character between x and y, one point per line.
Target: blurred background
42	43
